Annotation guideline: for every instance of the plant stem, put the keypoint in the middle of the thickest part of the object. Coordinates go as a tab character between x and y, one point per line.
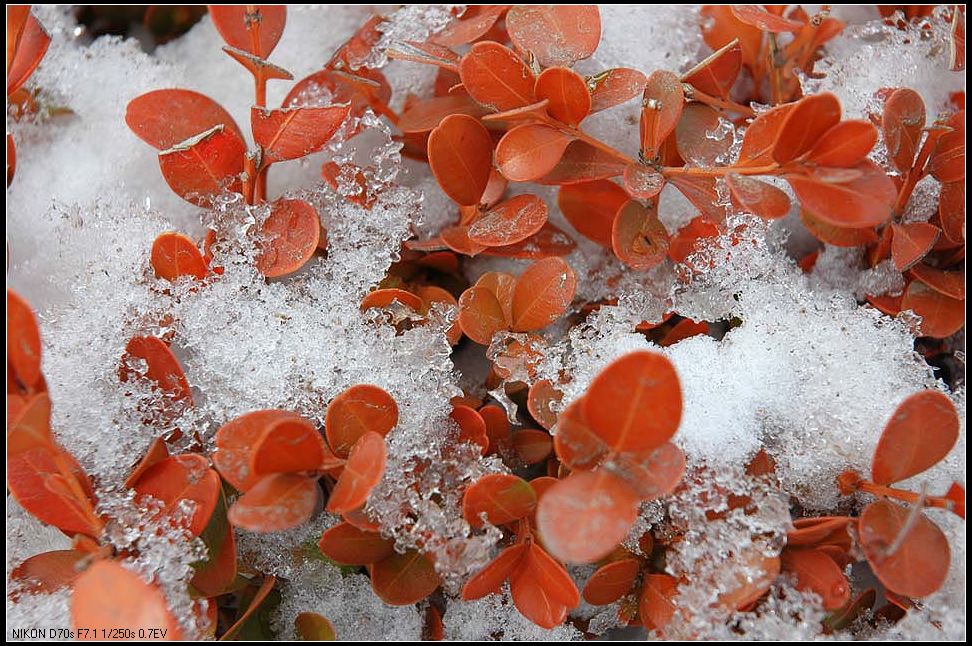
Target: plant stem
719	171
716	102
917	171
904	495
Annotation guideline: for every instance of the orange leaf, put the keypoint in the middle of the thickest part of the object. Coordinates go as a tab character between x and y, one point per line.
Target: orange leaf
313	627
754	573
461	156
156	452
577	445
164	118
643	182
861	200
817	572
956	496
540	398
920	433
547	242
472	428
252	28
457	239
366	465
941	316
218	573
947	162
914	564
951	211
651	474
692	140
620	396
502	497
590	207
662	103
758	197
684	329
383	298
469	28
29	42
425	115
266	586
290	445
805	125
532	445
555	34
481	315
358	410
815	531
236	441
495	77
498	429
614	87
510	222
292	133
912	242
902	122
204	165
404	579
275	503
180	478
566	90
107	594
23	342
530	151
717	74
346	544
611	582
583	517
656	605
289	238
686	241
542	590
175	255
162	367
948	283
757	16
835	235
48	572
490	578
638	237
11	158
701	191
761	135
582	162
845	145
542	294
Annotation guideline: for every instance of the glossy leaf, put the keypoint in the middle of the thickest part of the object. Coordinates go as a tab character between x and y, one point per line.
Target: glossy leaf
817	572
385	298
758	17
358	410
29	42
638	237
481	315
48	572
204	165
166	118
555	34
902	123
501	497
717	74
404	579
542	590
643	182
491	578
947	283
836	235
693	141
532	445
583	517
23	342
914	564
614	87
289	237
292	133
346	544
864	200
253	28
425	115
276	502
941	315
495	77
805	125
921	432
758	197
510	222
469	28
912	242
845	145
107	594
160	365
540	400
312	627
472	427
761	136
621	395
174	255
951	211
530	151
461	156
365	467
291	445
590	207
180	478
656	604
582	162
549	241
567	93
611	582
236	441
542	294
662	104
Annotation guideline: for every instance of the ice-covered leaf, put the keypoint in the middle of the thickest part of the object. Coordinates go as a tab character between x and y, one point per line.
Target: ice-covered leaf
758	197
288	237
614	87
358	410
582	162
539	399
473	24
555	34
204	165
253	28
49	571
817	572
481	315
861	198
276	502
509	222
502	497
758	17
902	122
638	237
181	478
651	474
292	133
542	294
165	118
161	367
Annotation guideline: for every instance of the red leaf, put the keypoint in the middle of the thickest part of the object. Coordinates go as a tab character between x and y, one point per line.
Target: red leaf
510	222
366	465
542	294
383	298
204	165
292	133
461	156
947	162
498	429
252	28
761	135
180	478
530	151
956	496
236	441
162	367
805	125
156	452
23	342
845	145
620	394
532	445
914	564
590	207
218	573
757	16
692	140
941	316
864	200
540	398
567	93
277	502
720	27
490	578
542	590
582	162
358	410
614	87
702	193
835	235
577	445
911	242
423	116
611	582
951	211
555	34
758	197
717	74
481	315
346	544
662	103
947	283
472	427
583	517
496	77
638	237
643	182
469	28
404	579
656	604
686	241
815	531
817	572
289	237
651	474
291	445
902	123
48	572
547	242
503	498
920	433
107	594
26	47
165	118
175	255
